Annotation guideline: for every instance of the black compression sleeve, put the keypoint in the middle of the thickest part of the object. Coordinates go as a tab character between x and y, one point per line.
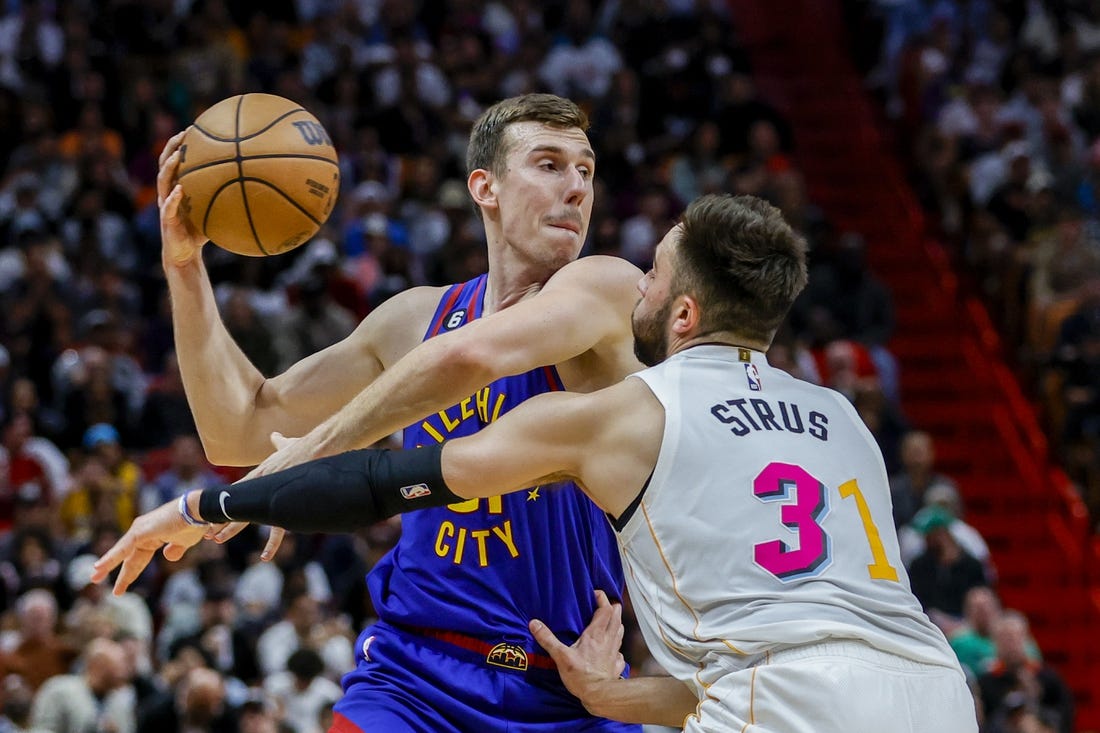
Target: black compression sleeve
340	493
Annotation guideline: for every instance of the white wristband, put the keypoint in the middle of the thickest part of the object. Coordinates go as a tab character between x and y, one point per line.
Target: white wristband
186	513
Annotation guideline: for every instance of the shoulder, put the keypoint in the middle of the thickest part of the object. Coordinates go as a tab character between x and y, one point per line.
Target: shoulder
415	302
397	325
601	270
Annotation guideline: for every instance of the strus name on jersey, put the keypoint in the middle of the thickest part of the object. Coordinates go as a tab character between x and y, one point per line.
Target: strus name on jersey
756	414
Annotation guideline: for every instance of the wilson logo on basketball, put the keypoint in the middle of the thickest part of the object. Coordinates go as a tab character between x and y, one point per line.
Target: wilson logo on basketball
312	133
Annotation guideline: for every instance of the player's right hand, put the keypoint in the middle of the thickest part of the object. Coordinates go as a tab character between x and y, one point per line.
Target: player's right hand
180	243
595	658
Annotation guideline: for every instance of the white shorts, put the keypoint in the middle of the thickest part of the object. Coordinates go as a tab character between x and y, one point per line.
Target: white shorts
837	686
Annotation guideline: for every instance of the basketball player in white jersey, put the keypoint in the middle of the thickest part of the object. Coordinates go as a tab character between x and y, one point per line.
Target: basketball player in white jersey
752	509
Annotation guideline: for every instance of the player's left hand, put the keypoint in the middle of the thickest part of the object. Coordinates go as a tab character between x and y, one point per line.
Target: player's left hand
288	452
148	533
595	658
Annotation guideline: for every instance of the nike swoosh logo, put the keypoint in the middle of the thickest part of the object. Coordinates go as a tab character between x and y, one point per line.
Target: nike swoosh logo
221	502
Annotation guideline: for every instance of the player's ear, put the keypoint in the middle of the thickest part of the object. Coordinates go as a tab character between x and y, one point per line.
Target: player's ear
685	315
481	185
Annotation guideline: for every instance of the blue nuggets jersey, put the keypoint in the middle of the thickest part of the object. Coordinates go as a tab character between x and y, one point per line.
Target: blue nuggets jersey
485	567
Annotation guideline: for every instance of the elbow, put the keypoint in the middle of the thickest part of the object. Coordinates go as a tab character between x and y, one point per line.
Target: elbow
222	453
475	363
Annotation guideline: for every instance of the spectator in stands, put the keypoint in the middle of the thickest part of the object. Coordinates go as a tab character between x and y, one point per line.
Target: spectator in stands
99	698
944	572
228	649
250	331
581	63
187	470
105	485
910	485
97	610
16	697
36	651
1016	679
196	703
262	586
973	642
1076	359
860	306
88	394
313	324
883	418
165	414
49	426
304	626
32	563
302	691
25	479
947	498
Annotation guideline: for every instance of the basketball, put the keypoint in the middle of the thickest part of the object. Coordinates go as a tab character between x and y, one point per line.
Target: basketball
259	174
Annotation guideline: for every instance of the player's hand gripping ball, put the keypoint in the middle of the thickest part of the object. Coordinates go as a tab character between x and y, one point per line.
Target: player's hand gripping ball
259	174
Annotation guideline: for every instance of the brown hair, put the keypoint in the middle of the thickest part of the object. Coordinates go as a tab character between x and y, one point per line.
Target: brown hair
488	146
744	263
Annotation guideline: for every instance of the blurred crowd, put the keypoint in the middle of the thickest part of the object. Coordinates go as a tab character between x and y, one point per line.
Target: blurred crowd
998	107
94	422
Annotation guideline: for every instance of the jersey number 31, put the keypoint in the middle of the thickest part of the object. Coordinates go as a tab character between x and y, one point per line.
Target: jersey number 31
806	502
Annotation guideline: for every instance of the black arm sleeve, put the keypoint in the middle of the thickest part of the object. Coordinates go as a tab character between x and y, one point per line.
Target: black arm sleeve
340	493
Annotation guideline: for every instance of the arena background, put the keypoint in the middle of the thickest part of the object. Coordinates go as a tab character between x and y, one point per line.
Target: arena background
942	159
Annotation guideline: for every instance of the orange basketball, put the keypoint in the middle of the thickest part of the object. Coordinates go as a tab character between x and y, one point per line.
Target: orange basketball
259	174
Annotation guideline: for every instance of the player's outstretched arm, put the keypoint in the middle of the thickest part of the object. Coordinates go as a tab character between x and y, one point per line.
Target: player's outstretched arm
592	668
235	407
607	440
585	307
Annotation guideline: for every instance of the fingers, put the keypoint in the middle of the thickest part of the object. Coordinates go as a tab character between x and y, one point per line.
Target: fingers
131	569
280	441
546	639
111	559
171	146
273	541
620	665
608	617
166	177
228	531
174	552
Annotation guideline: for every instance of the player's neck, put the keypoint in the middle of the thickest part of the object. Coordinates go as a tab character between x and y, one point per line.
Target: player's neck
715	338
509	282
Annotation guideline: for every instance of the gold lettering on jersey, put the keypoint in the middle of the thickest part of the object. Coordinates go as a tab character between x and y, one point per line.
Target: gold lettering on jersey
476	405
505	534
448	422
744	354
450	541
432	432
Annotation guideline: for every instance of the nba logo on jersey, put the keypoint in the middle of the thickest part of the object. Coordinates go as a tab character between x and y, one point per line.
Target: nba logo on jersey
753	375
415	491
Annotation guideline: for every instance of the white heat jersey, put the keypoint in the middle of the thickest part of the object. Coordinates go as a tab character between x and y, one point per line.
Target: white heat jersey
766	523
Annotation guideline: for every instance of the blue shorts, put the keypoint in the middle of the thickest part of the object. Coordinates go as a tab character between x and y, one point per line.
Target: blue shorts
408	683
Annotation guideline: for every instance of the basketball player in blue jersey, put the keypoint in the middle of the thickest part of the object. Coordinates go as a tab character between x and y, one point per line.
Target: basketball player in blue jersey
752	510
452	650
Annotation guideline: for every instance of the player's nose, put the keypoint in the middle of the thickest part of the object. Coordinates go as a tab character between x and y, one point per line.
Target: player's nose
576	185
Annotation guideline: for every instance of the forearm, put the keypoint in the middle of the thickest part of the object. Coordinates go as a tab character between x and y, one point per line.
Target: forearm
220	382
432	377
645	700
339	493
